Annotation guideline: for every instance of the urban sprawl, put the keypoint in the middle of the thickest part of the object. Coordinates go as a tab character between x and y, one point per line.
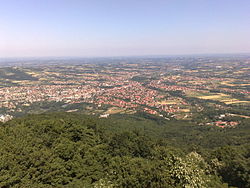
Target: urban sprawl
169	88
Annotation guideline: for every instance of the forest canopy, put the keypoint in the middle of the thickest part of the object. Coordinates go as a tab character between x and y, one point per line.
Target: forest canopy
75	150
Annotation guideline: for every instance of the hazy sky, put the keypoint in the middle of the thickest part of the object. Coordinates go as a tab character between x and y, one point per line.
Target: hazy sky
123	27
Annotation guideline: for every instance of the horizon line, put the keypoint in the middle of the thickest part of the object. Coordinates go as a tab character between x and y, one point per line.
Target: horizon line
124	56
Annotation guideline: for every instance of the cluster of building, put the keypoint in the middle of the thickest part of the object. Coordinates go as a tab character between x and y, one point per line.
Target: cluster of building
136	96
224	124
160	85
113	85
12	97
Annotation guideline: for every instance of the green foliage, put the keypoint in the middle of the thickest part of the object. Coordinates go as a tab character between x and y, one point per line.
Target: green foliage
50	152
236	163
74	150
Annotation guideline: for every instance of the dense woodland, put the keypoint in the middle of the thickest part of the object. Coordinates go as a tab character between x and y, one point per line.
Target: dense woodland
75	150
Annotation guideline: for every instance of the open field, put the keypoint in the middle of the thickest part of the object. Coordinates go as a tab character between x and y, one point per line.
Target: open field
185	110
228	83
116	110
221	97
237	115
210	96
26	82
234	101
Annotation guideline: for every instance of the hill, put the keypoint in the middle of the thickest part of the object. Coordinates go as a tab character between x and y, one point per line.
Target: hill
75	150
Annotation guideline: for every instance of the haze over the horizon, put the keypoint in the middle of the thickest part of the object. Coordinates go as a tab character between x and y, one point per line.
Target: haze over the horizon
123	27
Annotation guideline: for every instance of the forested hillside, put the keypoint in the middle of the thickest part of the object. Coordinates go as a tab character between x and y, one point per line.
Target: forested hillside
74	150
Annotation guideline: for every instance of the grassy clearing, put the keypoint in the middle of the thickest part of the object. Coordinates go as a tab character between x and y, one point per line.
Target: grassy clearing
228	83
206	95
234	101
221	97
237	115
218	96
117	110
185	110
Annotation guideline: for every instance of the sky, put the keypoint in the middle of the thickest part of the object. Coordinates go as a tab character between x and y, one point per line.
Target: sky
87	28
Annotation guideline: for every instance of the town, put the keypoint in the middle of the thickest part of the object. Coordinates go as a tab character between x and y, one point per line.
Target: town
207	90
